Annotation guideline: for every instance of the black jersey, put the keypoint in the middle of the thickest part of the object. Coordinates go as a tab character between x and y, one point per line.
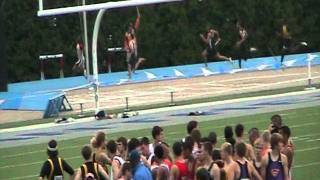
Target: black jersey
53	169
90	169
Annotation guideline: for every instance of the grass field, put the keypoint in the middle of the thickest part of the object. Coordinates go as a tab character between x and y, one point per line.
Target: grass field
24	162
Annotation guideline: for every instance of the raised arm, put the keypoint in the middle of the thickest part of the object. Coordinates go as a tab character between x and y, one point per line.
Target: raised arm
204	39
137	24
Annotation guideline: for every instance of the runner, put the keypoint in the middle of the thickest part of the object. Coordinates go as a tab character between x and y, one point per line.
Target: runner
241	44
288	147
80	64
212	39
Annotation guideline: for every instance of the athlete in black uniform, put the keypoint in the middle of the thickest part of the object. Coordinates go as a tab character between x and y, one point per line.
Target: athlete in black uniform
212	39
90	169
53	168
241	44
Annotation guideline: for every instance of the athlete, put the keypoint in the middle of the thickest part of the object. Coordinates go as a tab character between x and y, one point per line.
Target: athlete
131	46
274	165
242	169
122	149
241	44
212	39
90	169
54	167
147	157
80	64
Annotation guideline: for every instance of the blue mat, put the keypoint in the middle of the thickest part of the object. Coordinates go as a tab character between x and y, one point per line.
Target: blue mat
35	95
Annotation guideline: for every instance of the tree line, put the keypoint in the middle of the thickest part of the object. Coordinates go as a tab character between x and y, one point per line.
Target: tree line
168	34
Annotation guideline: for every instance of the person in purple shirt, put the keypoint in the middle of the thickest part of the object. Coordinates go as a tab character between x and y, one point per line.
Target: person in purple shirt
139	170
274	165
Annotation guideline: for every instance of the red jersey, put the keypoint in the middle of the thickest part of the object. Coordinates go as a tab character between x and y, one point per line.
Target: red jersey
183	169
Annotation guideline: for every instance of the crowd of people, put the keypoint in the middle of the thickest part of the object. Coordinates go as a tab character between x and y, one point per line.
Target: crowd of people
267	155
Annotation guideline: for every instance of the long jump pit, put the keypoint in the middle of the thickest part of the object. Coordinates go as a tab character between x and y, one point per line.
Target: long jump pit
157	92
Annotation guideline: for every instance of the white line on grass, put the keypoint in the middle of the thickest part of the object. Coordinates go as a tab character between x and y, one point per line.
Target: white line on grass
306	165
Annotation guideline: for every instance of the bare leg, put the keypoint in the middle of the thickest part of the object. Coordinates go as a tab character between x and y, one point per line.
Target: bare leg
221	57
129	70
204	55
141	60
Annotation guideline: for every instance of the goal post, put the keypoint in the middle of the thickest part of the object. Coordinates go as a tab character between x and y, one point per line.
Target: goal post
102	7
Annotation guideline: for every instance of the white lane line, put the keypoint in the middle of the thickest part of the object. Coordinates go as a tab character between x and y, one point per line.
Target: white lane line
34	163
307	149
38	151
306	165
24	177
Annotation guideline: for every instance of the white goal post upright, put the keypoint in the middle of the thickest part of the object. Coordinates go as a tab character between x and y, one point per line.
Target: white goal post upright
102	7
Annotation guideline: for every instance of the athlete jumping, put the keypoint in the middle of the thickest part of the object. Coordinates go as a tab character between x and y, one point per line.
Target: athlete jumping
131	46
80	63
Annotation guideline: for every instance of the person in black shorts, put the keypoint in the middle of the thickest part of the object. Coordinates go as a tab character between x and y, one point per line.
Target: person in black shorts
242	44
53	168
212	39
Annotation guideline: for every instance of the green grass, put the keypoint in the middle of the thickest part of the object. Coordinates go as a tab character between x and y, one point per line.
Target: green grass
25	161
160	105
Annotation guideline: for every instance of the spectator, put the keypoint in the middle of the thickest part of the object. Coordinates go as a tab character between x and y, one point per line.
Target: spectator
288	146
239	130
274	165
196	136
139	170
160	170
227	155
276	124
191	126
213	139
133	144
242	169
206	162
202	174
179	170
116	160
158	137
187	153
228	135
53	168
126	172
90	169
147	157
254	134
99	144
122	144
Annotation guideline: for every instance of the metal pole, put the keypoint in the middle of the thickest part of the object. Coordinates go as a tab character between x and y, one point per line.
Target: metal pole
171	99
309	61
95	58
86	40
127	105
